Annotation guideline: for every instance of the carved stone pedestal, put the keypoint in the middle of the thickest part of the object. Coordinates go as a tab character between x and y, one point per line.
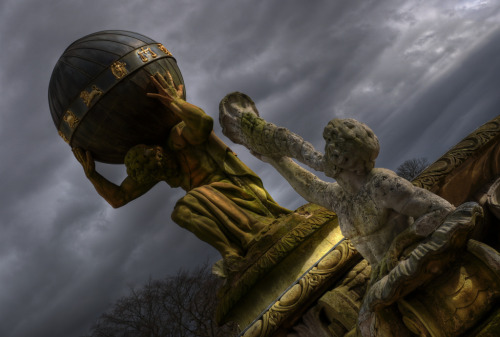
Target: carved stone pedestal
308	254
458	300
309	282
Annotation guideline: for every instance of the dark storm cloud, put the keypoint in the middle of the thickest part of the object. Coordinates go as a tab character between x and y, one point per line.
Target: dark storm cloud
423	75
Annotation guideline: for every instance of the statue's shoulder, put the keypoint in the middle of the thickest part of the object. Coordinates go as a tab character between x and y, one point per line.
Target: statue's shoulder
383	172
380	177
385	184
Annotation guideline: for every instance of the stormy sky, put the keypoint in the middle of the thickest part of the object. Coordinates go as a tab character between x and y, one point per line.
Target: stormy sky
422	74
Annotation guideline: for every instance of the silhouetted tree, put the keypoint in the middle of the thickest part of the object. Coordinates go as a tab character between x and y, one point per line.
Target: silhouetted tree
180	306
411	168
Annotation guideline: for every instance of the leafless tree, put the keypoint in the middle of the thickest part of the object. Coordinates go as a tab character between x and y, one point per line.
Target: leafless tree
180	306
411	168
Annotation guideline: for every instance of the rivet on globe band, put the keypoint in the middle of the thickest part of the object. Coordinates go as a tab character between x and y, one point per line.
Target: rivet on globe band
89	96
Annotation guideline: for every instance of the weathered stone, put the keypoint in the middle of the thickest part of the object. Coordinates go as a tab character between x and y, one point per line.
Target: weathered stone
403	231
378	211
298	242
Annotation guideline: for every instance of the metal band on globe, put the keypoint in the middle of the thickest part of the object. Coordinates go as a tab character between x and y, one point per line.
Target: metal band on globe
110	77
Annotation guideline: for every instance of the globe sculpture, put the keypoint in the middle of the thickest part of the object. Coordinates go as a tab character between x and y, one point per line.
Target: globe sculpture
97	93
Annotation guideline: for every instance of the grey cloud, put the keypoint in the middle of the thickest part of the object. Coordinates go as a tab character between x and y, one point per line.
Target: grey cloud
464	94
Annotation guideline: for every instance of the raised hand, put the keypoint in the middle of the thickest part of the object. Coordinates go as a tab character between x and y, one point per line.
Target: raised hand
168	94
235	112
86	160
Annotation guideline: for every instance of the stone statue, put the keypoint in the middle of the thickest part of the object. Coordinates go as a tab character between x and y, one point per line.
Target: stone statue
376	208
381	213
225	205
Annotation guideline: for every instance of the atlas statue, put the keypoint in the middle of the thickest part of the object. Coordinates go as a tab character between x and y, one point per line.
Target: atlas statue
226	204
133	111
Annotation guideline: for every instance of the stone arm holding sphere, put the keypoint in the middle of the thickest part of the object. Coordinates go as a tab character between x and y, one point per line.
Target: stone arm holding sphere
275	145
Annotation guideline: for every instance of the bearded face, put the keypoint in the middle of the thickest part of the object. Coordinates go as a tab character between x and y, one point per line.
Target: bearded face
146	164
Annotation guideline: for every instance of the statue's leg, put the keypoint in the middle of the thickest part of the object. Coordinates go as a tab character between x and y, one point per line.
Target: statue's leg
204	228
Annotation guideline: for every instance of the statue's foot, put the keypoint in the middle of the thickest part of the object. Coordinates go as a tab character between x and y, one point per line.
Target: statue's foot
229	264
231	111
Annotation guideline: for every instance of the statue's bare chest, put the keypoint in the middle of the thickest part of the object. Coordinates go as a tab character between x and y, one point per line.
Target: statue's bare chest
197	166
359	214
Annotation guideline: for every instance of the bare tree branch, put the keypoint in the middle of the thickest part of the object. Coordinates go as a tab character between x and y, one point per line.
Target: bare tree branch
178	306
411	168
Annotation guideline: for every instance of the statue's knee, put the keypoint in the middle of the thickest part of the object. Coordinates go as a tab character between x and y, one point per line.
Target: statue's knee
181	214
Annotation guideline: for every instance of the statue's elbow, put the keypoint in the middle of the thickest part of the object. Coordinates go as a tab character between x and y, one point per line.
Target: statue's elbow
114	204
207	124
117	203
203	130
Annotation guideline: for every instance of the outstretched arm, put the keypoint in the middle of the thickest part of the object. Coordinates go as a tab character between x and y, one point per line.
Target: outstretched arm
308	185
241	123
197	124
115	195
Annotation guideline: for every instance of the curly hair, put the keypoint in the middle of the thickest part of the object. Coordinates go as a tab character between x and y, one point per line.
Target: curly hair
352	137
146	164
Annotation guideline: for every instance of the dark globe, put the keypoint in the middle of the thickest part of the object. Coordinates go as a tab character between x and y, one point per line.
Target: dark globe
97	93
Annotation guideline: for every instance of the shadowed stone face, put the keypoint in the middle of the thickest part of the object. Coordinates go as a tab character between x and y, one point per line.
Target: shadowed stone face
145	163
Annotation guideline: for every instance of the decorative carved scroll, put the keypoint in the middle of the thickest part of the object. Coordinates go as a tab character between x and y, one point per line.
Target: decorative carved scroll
468	166
300	294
